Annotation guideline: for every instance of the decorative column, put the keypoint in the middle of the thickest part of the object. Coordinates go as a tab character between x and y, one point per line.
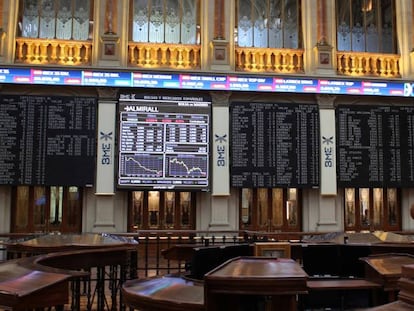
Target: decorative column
412	23
322	22
2	32
323	49
220	181
219	44
110	39
110	17
328	188
105	161
219	20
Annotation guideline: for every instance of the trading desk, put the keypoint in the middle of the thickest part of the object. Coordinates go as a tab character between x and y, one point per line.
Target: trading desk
23	287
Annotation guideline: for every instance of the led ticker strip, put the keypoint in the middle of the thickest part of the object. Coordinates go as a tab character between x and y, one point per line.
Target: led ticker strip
189	81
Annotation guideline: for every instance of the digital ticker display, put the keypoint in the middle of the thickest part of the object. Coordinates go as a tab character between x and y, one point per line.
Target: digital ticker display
164	142
204	81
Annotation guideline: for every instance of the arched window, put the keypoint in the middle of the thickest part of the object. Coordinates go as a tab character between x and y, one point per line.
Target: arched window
268	24
166	21
53	19
366	26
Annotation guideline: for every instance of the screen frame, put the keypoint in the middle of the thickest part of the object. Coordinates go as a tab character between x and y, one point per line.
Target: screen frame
190	105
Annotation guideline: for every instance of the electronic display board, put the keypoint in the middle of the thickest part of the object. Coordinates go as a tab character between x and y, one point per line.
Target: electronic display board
274	145
164	142
375	146
47	140
204	81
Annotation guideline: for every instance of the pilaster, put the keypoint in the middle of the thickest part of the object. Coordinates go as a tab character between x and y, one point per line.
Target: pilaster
324	56
220	181
328	186
105	166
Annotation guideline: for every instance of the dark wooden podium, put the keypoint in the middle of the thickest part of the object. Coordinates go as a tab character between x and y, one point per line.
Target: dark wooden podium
254	283
405	300
386	270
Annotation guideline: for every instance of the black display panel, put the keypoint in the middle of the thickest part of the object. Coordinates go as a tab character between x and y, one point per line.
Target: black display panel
375	146
164	142
274	145
47	140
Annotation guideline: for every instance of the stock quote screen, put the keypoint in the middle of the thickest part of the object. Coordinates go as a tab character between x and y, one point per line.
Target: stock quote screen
47	140
274	145
164	142
375	146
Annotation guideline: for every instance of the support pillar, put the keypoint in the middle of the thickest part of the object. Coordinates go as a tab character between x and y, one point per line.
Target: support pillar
105	161
328	218
220	181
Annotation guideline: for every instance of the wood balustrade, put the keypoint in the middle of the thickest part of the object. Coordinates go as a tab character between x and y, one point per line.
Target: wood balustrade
62	52
269	60
161	55
368	64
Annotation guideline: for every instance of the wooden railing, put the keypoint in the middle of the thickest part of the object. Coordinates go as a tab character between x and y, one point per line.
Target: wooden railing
160	55
269	60
45	52
368	64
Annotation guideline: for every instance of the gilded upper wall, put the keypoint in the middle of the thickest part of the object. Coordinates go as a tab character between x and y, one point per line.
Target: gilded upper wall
110	44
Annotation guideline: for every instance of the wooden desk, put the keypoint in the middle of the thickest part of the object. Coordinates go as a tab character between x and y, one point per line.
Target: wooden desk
343	288
341	284
169	293
43	281
386	269
64	242
273	282
405	300
393	306
23	288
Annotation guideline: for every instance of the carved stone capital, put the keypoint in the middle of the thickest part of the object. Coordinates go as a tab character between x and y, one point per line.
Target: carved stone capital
106	93
220	98
326	101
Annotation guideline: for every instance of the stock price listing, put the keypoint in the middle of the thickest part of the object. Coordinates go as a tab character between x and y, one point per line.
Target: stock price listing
164	142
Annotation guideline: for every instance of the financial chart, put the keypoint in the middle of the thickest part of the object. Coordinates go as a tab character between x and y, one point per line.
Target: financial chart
164	142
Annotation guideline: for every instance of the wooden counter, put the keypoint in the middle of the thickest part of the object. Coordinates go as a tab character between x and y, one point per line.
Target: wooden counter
43	281
24	288
386	269
273	282
405	300
168	293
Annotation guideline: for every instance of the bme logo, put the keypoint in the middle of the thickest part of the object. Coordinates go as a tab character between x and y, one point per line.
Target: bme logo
328	151
106	148
221	149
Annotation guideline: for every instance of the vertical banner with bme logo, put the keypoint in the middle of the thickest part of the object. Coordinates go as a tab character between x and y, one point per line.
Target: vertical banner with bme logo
328	157
105	148
221	173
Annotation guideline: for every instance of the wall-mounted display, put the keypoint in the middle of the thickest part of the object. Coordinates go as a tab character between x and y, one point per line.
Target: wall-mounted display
375	146
164	142
47	140
274	145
